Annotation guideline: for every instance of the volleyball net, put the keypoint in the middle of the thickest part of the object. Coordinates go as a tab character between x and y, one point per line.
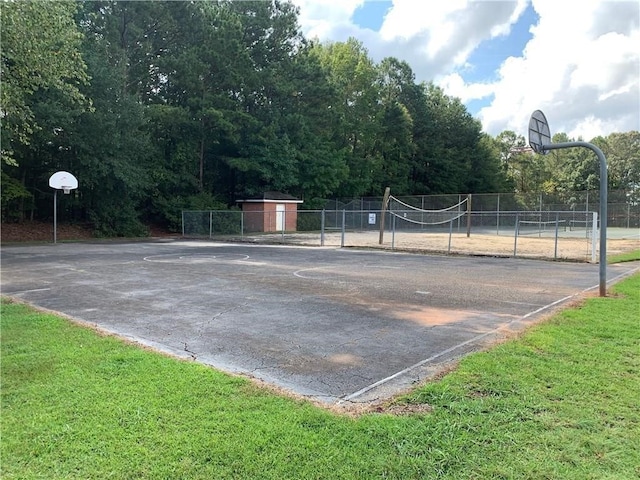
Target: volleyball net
423	217
540	226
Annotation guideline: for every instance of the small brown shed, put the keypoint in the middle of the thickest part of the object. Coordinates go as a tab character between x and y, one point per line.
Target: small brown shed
270	212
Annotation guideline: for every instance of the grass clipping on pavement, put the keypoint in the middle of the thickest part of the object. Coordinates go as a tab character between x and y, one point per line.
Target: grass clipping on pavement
561	401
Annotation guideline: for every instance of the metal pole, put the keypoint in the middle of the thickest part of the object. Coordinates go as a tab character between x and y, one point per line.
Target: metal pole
603	204
586	224
450	232
210	224
322	229
498	216
540	204
468	215
586	209
555	248
515	238
344	216
55	216
594	235
540	217
393	232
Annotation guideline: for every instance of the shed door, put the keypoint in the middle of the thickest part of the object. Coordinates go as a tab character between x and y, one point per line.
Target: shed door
280	215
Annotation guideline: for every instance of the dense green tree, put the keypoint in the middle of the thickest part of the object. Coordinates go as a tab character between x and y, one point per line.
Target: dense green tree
622	151
287	145
40	51
111	148
198	104
322	165
48	150
414	97
509	144
195	98
39	54
525	170
352	74
137	36
396	84
453	138
574	169
395	145
570	170
487	171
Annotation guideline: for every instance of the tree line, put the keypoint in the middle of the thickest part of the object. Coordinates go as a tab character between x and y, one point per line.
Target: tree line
158	107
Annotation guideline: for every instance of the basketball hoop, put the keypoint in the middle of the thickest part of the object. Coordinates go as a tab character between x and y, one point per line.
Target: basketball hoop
539	133
540	141
63	181
60	181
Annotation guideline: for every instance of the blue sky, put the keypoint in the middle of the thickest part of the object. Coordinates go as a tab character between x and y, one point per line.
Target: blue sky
506	58
370	14
486	59
490	54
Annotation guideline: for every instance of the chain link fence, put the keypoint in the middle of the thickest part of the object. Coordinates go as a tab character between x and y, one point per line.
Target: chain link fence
490	224
623	207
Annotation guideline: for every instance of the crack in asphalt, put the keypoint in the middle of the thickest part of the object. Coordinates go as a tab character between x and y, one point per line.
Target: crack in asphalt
193	354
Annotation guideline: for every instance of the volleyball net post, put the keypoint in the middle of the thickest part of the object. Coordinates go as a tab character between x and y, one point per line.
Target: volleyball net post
385	202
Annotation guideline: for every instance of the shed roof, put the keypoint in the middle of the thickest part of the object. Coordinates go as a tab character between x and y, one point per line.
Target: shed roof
269	197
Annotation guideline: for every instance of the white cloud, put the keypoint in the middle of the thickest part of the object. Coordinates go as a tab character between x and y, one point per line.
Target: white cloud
432	36
581	66
588	128
580	72
325	19
455	86
407	19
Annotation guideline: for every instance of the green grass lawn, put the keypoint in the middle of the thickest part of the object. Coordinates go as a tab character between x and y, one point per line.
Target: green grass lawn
624	257
559	402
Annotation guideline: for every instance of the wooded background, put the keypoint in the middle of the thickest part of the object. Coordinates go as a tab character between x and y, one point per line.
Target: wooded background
158	107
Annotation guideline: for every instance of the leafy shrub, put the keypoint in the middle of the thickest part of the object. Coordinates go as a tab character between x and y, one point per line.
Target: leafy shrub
117	220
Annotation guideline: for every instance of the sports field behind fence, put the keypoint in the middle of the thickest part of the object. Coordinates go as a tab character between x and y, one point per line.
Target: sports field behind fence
552	234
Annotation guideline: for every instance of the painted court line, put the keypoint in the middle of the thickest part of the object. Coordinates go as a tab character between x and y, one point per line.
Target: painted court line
414	366
520	303
368	388
30	291
299	273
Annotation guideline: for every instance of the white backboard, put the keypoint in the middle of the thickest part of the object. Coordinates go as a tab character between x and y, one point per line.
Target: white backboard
539	133
63	181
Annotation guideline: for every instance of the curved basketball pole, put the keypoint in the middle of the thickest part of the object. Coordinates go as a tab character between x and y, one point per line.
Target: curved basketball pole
540	141
603	204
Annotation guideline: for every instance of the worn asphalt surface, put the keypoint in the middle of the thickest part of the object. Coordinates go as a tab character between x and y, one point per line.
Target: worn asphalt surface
334	325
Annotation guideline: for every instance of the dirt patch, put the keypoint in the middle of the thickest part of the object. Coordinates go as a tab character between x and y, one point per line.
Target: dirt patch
574	249
403	409
43	232
430	317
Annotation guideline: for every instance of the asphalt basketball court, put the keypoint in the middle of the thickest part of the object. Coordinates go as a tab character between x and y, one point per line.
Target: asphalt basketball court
333	325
